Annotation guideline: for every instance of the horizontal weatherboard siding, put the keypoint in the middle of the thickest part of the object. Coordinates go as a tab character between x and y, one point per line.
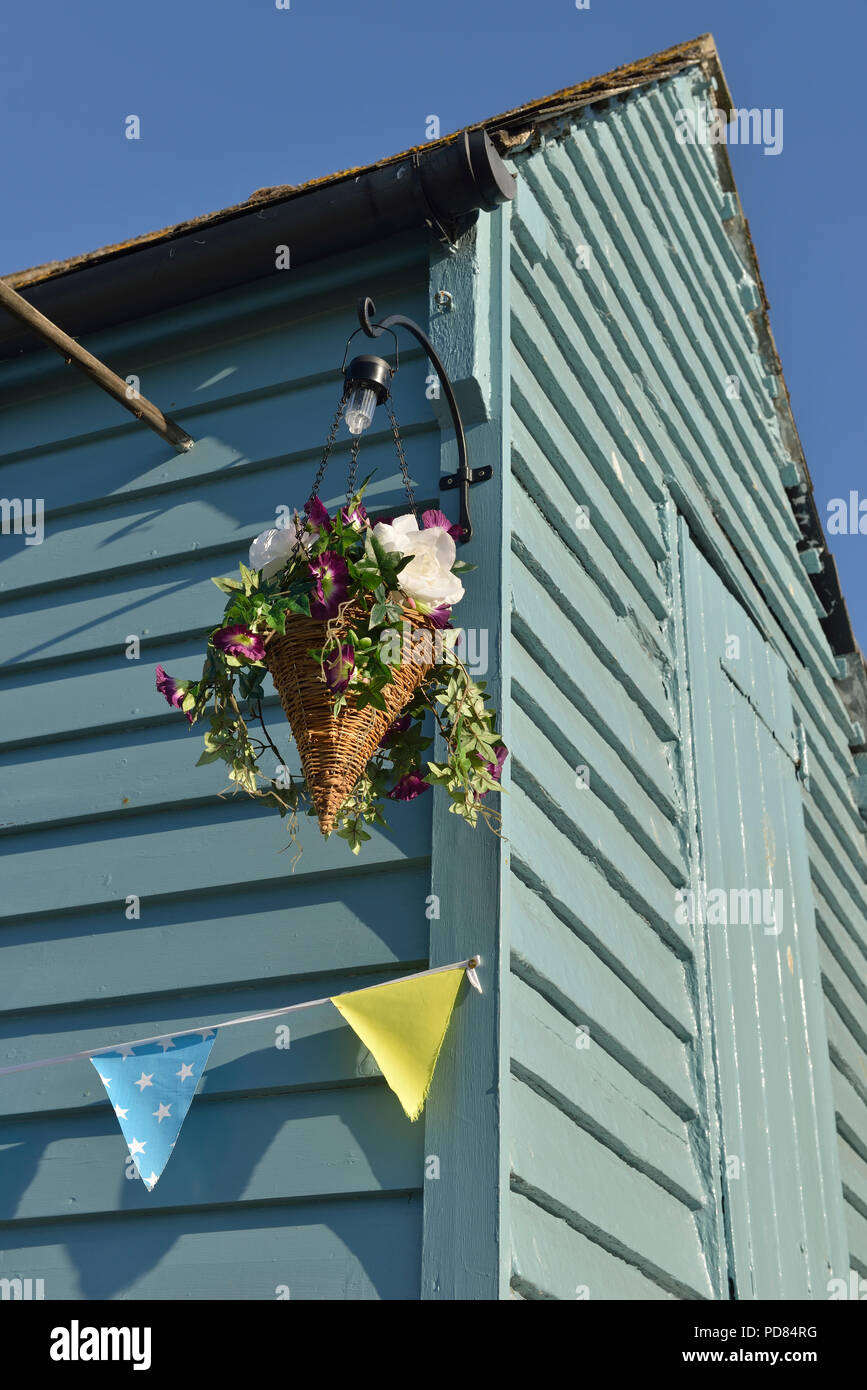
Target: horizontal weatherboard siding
605	1182
592	331
297	1170
629	317
321	1249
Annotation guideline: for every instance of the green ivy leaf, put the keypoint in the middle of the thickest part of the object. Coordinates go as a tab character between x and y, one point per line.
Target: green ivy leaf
250	579
382	557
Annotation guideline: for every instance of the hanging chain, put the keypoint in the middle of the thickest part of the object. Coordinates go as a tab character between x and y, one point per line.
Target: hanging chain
353	466
353	463
329	445
320	472
398	444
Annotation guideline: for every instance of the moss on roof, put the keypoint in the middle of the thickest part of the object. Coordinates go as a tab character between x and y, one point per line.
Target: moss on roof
621	79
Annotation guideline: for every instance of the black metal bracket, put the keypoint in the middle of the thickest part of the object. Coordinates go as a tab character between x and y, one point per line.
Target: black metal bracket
465	476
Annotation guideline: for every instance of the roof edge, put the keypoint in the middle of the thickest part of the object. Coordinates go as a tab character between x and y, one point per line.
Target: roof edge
625	78
271	206
439	187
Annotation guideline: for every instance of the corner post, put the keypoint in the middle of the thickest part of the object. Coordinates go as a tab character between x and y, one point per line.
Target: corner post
466	1251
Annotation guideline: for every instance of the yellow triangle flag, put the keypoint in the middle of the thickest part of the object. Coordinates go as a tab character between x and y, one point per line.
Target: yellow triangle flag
403	1025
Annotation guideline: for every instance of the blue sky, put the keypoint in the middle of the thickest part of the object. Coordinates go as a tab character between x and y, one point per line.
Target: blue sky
234	95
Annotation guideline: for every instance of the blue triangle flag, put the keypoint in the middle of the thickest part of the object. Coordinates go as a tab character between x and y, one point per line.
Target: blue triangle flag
151	1087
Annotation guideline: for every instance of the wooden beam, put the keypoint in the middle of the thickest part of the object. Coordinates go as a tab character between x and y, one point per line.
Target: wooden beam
72	351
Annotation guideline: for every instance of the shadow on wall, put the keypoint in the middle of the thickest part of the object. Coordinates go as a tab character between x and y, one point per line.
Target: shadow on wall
345	1165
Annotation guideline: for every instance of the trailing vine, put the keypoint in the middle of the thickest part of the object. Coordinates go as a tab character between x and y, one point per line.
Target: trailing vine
363	583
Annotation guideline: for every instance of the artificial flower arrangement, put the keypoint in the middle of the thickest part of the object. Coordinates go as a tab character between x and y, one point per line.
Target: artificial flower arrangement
352	619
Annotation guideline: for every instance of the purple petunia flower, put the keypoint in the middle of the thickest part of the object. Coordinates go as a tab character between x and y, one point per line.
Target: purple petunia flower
437	518
496	769
239	641
411	785
357	517
172	690
332	584
439	616
399	726
317	514
338	667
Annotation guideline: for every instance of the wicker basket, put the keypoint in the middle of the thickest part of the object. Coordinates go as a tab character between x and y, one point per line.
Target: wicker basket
334	749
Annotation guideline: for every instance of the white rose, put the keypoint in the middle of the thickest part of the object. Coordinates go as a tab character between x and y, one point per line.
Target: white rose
427	579
270	551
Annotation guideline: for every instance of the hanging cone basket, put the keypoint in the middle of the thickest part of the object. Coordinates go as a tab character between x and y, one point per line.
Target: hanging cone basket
335	749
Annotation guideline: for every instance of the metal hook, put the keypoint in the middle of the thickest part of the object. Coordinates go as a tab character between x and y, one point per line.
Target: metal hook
465	475
396	368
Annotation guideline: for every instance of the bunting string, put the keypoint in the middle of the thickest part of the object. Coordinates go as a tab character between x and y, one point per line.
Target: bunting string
467	965
402	1023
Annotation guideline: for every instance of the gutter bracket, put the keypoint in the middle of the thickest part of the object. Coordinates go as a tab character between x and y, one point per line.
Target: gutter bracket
445	235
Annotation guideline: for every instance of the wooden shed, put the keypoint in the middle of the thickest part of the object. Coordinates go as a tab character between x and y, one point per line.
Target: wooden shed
661	1092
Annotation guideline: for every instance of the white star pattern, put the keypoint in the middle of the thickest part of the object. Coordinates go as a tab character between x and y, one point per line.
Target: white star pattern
151	1127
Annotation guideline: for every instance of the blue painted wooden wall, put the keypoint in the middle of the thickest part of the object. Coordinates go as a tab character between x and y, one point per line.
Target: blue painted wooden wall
296	1169
631	308
575	1113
